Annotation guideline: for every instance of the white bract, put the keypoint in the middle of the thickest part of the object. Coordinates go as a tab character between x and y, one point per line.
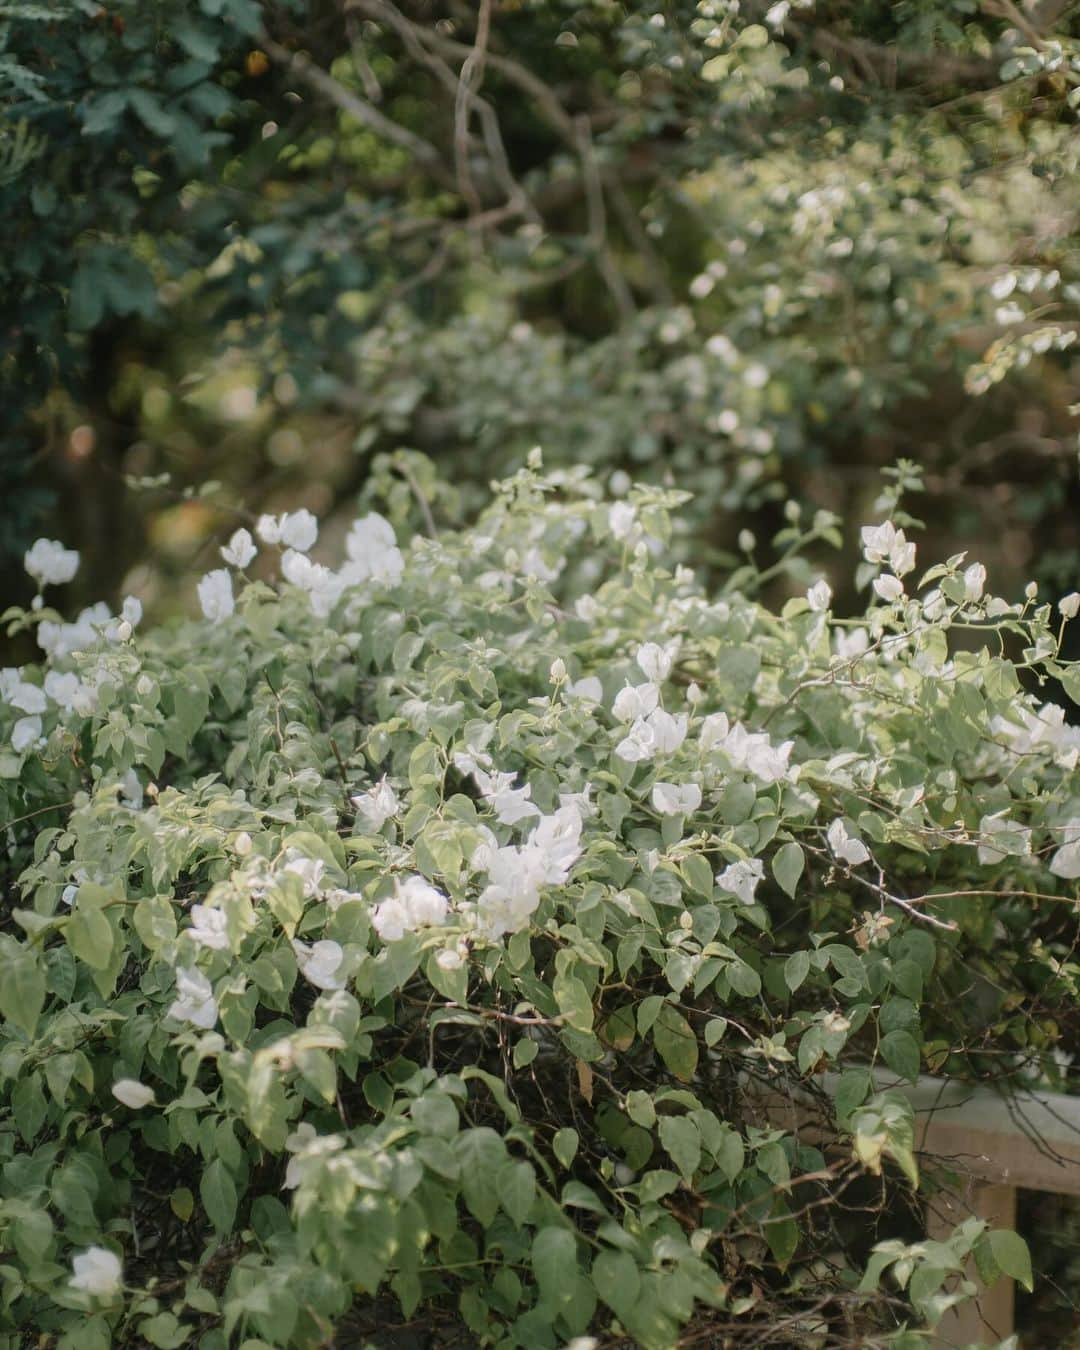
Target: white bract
974	581
656	661
132	1093
741	879
510	804
819	596
1002	838
676	799
320	964
634	701
660	733
889	588
848	848
1066	860
240	550
378	805
216	595
195	1001
50	563
415	904
208	928
98	1272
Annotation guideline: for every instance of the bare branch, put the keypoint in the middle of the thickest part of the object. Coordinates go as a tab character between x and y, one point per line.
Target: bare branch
323	83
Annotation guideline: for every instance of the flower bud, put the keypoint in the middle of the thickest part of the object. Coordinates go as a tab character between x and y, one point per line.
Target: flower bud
123	630
747	541
1069	605
558	670
242	844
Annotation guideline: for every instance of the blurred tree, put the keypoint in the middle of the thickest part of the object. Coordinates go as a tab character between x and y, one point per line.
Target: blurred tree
756	249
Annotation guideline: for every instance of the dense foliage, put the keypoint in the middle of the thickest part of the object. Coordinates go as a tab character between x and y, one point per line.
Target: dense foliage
418	944
733	246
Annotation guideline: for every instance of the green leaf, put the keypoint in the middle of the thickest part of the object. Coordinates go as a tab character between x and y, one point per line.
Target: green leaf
90	936
517	1189
481	1154
787	867
900	1052
565	1145
682	1140
574	1001
22	986
1012	1255
617	1280
796	969
555	1262
640	1108
782	1234
676	1043
218	1192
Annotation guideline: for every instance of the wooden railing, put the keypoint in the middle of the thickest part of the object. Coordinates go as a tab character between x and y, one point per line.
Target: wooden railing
995	1144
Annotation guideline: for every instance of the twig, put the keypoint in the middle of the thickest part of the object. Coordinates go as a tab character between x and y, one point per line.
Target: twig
359	108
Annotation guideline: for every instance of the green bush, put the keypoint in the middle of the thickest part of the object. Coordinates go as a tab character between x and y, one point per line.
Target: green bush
411	944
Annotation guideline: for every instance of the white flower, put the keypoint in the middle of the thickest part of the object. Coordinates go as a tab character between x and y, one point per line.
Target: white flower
377	805
414	904
886	544
557	671
656	661
1069	605
240	549
741	879
819	596
268	529
776	14
309	870
1066	861
131	791
657	734
322	585
69	895
587	608
510	804
216	595
888	588
714	730
851	644
50	563
298	530
674	799
196	1003
449	959
587	690
24	733
621	520
747	541
373	552
635	700
208	928
974	581
97	1271
242	844
1008	838
390	920
28	698
749	751
845	846
426	906
132	1093
320	963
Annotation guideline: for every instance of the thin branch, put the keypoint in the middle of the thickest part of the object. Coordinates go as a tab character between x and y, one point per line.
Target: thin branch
359	108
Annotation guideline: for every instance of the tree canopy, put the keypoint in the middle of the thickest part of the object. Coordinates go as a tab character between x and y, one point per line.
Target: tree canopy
748	249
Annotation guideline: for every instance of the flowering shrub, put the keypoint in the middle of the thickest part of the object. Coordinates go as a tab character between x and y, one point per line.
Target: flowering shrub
420	940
